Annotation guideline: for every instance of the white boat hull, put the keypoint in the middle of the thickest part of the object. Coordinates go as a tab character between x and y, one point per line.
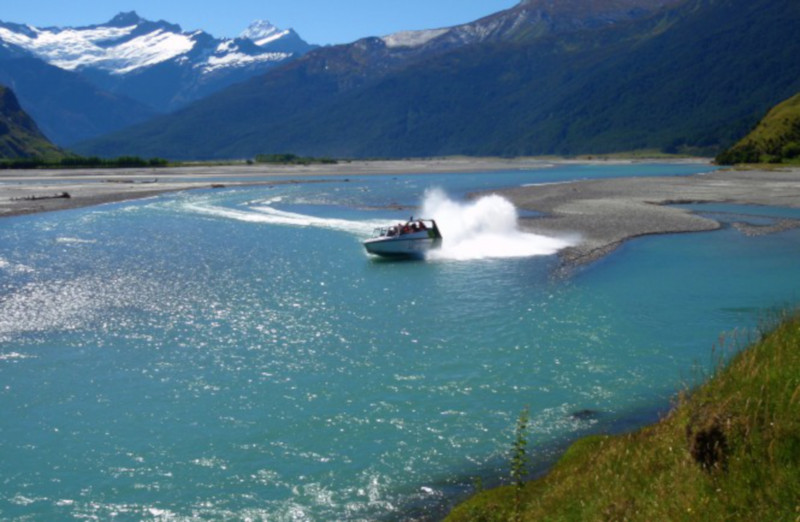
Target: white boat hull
412	239
405	246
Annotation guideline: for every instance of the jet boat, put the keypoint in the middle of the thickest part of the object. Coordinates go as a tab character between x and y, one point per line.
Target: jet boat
411	239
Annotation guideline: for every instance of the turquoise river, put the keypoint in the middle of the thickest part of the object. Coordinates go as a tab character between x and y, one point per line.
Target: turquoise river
235	354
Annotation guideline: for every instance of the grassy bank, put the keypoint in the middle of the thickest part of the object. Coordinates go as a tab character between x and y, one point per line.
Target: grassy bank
730	450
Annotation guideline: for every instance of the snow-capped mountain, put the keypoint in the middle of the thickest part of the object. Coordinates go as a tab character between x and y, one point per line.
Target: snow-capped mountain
116	47
262	33
156	62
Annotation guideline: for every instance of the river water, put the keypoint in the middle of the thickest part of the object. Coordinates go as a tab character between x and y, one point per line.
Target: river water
236	354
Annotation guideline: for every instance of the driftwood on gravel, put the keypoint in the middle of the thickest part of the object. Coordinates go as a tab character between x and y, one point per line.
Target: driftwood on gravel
61	195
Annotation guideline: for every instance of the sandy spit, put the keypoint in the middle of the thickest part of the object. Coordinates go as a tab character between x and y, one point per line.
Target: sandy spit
602	214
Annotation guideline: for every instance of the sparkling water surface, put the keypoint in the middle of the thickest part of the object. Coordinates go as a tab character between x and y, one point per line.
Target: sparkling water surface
236	354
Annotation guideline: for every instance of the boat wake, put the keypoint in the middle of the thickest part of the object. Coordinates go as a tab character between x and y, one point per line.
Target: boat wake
264	213
483	229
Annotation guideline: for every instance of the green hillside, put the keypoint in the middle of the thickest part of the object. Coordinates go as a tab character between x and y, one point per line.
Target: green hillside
776	139
19	135
730	451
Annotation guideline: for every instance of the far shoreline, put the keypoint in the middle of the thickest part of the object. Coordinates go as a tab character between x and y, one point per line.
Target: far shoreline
33	191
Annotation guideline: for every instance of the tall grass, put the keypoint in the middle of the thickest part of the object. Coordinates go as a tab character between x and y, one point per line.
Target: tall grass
729	450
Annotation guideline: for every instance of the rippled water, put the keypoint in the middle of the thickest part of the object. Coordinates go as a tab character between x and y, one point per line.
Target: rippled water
236	354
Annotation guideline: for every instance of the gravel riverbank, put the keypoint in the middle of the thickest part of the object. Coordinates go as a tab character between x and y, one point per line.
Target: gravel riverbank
602	214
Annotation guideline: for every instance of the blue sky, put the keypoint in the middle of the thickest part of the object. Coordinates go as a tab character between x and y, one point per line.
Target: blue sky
317	21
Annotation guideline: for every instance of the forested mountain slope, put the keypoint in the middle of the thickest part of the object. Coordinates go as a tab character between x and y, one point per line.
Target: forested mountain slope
696	74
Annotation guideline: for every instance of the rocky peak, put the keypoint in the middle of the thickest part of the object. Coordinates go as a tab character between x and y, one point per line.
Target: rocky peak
260	29
126	19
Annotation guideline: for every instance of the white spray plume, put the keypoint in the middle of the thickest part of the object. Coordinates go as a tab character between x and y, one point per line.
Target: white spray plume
482	229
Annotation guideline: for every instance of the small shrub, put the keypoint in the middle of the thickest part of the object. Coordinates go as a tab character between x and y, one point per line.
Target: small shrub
791	150
707	441
519	459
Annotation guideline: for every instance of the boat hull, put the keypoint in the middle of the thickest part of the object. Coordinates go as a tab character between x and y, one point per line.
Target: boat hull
403	246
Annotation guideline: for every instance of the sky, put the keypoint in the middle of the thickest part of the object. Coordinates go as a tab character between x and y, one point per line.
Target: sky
317	21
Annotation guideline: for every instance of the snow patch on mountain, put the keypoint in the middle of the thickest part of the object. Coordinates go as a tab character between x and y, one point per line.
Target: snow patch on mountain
412	38
226	61
66	48
145	51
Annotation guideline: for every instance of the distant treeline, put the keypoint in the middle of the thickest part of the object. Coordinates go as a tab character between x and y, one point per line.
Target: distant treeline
292	159
74	162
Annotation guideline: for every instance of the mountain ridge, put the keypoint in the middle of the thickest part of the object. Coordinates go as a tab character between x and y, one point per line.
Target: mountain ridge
67	107
20	137
664	79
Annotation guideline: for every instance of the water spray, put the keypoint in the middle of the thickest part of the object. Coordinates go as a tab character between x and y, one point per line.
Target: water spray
483	229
